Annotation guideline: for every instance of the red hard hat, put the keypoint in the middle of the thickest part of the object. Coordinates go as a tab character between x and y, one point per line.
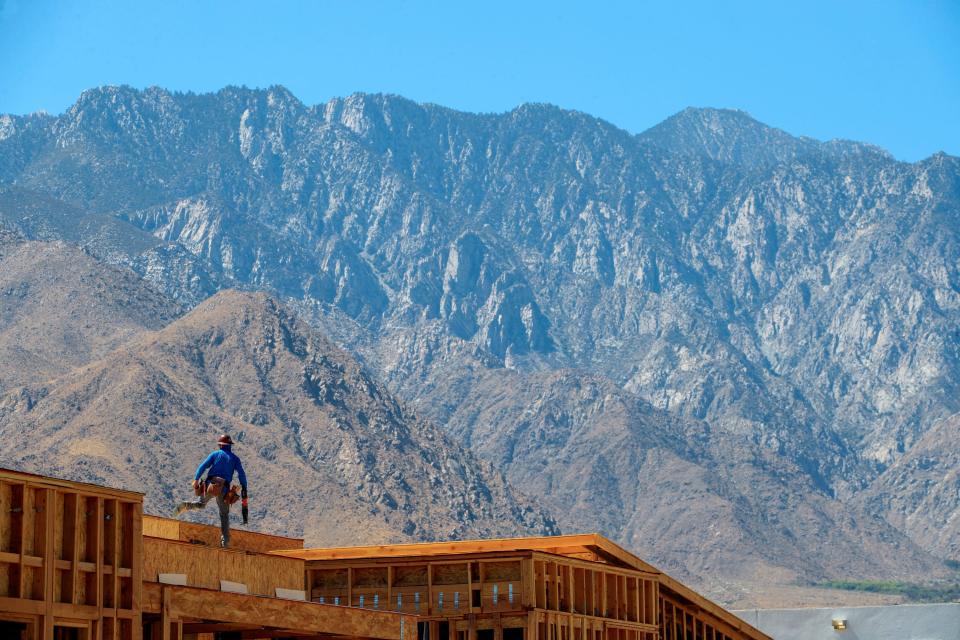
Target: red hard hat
224	439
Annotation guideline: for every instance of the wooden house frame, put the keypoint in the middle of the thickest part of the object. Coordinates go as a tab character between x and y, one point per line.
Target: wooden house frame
75	564
70	558
82	562
573	587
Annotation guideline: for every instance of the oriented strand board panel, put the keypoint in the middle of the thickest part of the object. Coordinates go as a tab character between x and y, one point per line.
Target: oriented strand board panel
209	535
161	528
206	566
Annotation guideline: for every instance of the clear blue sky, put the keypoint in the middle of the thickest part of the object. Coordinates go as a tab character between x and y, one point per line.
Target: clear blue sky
886	72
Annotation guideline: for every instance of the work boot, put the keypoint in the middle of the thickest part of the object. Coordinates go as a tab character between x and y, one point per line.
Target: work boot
184	506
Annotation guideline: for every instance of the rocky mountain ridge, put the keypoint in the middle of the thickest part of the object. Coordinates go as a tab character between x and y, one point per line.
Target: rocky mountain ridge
61	308
330	453
796	299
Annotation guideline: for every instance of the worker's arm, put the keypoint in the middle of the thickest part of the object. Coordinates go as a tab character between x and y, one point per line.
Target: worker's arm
241	475
206	464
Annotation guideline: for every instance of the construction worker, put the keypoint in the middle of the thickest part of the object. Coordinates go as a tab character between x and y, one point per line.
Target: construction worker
220	466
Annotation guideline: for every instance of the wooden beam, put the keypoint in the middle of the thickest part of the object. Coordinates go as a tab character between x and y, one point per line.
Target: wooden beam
25	585
76	611
71	538
165	614
48	521
69	485
528	580
288	634
581	541
98	550
137	554
17	605
215	627
205	604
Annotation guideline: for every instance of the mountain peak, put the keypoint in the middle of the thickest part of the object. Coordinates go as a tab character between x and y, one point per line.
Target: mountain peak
250	301
718	121
733	135
236	312
362	113
718	114
305	413
540	114
727	135
376	115
113	96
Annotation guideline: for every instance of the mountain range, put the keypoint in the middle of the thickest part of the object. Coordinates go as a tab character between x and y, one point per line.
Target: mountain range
733	350
332	455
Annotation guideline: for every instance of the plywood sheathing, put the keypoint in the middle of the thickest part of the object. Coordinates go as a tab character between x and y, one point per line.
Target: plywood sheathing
169	529
206	566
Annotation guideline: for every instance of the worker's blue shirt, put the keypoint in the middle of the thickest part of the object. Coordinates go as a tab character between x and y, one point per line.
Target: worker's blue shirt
222	463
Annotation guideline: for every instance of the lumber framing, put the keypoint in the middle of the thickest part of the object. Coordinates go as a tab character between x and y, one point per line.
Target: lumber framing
592	546
572	587
70	556
76	556
80	557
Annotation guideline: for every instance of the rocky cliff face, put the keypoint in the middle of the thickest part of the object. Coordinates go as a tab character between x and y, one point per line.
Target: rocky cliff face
798	300
330	454
920	492
672	488
60	308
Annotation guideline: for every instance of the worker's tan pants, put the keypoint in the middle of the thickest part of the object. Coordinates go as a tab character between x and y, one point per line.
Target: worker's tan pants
224	507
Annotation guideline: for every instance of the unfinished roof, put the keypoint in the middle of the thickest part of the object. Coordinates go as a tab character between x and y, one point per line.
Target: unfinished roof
586	545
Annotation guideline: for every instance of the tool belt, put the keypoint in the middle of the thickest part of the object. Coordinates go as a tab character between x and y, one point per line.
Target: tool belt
233	495
212	487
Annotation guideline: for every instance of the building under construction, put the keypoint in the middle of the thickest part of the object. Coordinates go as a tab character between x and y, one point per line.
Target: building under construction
82	562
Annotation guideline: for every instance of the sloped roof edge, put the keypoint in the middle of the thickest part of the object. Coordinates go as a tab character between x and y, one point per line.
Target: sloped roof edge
603	547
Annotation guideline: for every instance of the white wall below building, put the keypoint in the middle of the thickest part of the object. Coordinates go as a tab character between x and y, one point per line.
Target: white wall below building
894	622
